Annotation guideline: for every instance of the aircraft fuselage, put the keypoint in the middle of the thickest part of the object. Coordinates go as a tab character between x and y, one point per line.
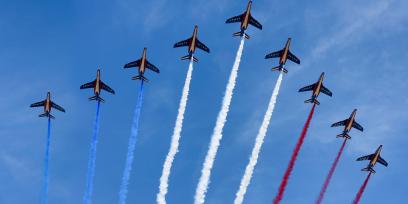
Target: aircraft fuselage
193	45
47	106
350	122
142	67
317	89
97	88
284	56
373	162
245	22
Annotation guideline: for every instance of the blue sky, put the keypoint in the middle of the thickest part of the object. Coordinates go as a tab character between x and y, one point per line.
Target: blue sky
57	46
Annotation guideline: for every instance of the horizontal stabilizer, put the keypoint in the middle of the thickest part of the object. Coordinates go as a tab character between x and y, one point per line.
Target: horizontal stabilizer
343	135
280	68
371	170
96	98
315	101
189	57
240	34
140	77
47	115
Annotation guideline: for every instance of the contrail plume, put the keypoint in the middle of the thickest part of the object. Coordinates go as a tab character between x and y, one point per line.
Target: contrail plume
246	179
164	179
331	172
217	134
361	191
293	158
131	148
44	197
92	159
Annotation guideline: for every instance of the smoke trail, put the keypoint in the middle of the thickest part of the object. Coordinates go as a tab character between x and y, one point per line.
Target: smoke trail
331	172
217	134
246	179
361	191
131	148
292	161
92	158
44	198
164	179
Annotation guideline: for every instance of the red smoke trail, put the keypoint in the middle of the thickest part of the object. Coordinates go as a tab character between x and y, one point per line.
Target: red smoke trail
361	191
285	178
329	176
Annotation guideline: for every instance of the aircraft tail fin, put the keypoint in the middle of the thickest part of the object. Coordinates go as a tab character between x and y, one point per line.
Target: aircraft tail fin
280	68
240	34
313	100
344	135
189	57
140	77
47	115
370	169
96	98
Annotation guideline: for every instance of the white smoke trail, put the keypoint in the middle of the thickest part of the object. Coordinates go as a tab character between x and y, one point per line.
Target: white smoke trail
246	179
217	134
164	179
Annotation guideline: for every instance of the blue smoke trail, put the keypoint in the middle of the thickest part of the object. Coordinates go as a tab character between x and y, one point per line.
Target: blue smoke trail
92	157
44	198
131	148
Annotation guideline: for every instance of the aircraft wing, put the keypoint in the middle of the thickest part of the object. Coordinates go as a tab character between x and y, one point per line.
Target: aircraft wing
382	161
183	43
54	105
255	23
274	54
107	88
88	85
133	64
152	67
38	104
341	123
307	88
368	157
235	19
358	126
293	58
326	91
202	46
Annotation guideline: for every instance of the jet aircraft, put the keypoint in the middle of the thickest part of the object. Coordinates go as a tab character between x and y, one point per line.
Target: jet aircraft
348	124
48	104
245	19
142	65
192	44
283	55
316	88
97	85
374	158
